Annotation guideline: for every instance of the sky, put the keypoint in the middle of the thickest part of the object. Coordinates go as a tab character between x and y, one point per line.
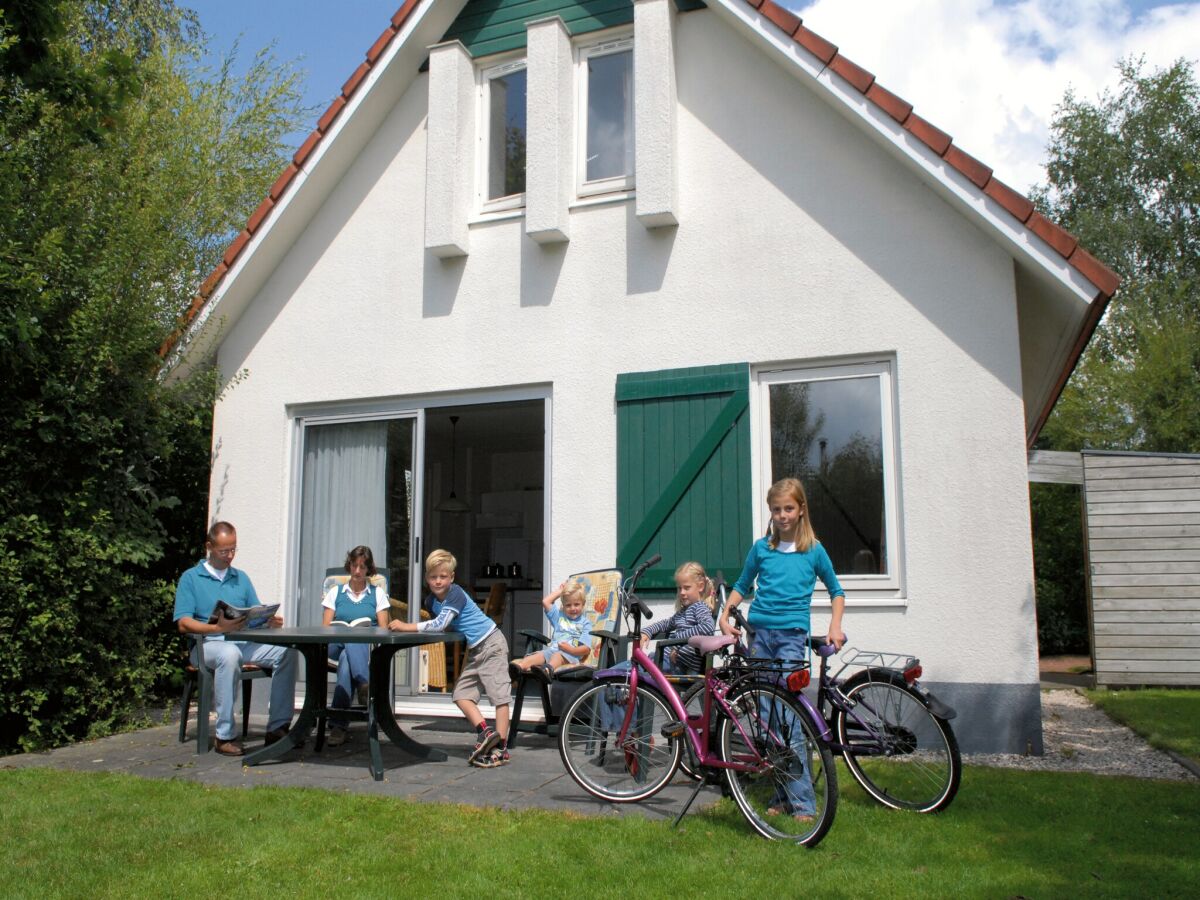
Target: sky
987	72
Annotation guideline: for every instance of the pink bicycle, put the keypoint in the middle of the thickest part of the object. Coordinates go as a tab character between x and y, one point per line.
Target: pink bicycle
623	738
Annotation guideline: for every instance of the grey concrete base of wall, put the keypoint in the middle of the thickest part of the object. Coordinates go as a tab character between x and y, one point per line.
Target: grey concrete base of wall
994	718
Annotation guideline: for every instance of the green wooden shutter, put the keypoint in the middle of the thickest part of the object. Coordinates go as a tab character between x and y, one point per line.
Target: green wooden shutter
683	469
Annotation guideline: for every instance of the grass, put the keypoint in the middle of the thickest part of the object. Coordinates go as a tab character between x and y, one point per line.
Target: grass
1008	833
1168	718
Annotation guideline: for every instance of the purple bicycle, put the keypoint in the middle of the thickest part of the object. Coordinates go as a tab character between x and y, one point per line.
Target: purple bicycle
623	737
893	734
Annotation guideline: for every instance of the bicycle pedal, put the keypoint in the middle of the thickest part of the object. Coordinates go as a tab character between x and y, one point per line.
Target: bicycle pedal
673	730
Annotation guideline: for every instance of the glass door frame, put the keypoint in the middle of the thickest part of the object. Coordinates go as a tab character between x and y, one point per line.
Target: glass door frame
302	421
332	413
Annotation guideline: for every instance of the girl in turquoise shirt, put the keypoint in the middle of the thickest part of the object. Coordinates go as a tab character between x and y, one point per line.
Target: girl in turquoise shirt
781	569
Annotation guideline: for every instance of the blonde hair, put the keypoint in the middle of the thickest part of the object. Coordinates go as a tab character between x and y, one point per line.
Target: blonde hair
441	559
572	588
805	536
707	589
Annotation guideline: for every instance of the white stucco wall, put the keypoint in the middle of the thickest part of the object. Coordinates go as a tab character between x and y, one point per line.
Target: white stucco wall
798	240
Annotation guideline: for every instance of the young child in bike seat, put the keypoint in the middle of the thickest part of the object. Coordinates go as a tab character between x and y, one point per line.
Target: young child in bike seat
571	641
484	669
781	569
694	604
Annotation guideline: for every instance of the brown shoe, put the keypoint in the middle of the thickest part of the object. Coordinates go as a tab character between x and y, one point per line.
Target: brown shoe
272	736
232	747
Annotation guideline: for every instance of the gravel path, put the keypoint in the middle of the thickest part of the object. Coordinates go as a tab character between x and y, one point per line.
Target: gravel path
1078	737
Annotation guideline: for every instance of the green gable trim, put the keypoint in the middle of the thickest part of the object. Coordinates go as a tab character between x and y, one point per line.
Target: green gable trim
683	469
486	27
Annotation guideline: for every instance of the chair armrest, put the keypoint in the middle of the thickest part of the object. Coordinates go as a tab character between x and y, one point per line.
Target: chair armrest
533	640
660	648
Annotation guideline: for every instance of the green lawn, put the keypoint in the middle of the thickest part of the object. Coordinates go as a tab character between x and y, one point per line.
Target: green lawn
1168	718
1007	834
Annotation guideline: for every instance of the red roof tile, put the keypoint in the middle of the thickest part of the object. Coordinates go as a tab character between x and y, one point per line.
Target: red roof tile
326	120
781	18
858	77
355	80
895	107
815	44
933	138
975	171
1016	203
1059	238
306	149
284	179
232	251
259	214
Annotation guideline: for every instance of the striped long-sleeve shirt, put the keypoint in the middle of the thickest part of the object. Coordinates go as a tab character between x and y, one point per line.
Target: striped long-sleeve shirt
694	619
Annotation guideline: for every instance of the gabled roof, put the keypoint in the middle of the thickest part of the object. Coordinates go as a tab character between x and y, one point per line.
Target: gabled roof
819	58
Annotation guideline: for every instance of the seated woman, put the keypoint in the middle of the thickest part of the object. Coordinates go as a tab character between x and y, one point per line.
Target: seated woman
348	603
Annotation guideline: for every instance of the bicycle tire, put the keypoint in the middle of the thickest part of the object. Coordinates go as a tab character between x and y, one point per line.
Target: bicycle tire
586	742
919	768
772	800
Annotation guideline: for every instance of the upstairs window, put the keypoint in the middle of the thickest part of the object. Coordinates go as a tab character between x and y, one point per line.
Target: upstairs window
606	117
503	136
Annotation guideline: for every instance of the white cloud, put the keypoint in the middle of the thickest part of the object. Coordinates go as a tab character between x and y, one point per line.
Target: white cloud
990	74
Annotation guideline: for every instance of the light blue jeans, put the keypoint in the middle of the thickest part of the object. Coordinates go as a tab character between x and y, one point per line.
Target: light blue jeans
226	658
354	668
794	794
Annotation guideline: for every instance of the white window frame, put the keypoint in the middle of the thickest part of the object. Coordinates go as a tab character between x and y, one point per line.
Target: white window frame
869	589
483	131
584	188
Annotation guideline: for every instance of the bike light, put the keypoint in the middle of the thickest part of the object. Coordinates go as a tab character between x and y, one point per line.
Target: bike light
912	674
798	680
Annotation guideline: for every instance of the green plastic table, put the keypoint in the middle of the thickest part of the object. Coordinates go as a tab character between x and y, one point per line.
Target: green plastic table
313	643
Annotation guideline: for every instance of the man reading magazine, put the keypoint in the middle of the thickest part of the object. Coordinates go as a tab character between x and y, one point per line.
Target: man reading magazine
202	589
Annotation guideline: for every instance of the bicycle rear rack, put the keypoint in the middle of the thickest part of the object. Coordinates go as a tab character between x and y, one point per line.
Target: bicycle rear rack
852	657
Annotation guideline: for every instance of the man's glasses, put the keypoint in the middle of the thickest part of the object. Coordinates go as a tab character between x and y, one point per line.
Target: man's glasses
226	553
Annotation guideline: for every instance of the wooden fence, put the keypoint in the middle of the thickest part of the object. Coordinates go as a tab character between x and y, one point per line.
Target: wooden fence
1142	541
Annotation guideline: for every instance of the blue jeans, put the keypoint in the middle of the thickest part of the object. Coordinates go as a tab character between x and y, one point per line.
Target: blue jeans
796	794
225	658
354	668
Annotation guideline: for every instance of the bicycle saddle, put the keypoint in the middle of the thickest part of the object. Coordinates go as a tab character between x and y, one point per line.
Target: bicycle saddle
710	643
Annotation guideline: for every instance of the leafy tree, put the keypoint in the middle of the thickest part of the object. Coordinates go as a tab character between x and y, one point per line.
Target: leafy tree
1124	176
127	165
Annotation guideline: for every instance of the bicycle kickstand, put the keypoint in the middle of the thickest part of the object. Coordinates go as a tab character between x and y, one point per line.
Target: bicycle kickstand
699	785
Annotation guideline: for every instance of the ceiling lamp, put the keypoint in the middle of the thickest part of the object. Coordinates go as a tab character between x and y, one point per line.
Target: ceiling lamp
452	504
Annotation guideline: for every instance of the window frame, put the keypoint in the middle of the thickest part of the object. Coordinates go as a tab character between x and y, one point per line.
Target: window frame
484	76
607	46
865	587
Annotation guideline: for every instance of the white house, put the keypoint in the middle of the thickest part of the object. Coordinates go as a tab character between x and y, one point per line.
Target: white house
563	288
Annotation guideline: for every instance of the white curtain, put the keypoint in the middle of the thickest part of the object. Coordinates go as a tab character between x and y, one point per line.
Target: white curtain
342	503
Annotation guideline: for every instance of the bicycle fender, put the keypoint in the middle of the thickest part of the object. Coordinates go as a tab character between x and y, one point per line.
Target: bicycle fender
935	706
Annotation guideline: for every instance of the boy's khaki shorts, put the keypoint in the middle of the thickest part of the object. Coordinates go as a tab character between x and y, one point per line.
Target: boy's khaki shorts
486	672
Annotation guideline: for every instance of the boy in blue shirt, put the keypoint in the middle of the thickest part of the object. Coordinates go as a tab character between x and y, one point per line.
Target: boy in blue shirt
485	670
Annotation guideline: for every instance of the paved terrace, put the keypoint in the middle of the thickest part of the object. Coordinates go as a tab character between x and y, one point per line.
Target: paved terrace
534	779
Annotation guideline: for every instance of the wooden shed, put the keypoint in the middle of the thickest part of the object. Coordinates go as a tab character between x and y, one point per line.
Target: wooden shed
1142	540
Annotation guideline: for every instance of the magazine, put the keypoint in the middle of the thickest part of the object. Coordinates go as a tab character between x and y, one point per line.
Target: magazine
361	620
248	616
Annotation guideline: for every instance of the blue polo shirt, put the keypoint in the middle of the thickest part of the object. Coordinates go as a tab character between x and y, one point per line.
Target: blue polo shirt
458	612
198	593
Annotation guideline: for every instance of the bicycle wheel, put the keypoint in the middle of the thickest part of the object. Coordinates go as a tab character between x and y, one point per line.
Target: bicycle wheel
902	754
788	790
605	767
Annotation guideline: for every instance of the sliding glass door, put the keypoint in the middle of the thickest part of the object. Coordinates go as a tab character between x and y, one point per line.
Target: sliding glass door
357	486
